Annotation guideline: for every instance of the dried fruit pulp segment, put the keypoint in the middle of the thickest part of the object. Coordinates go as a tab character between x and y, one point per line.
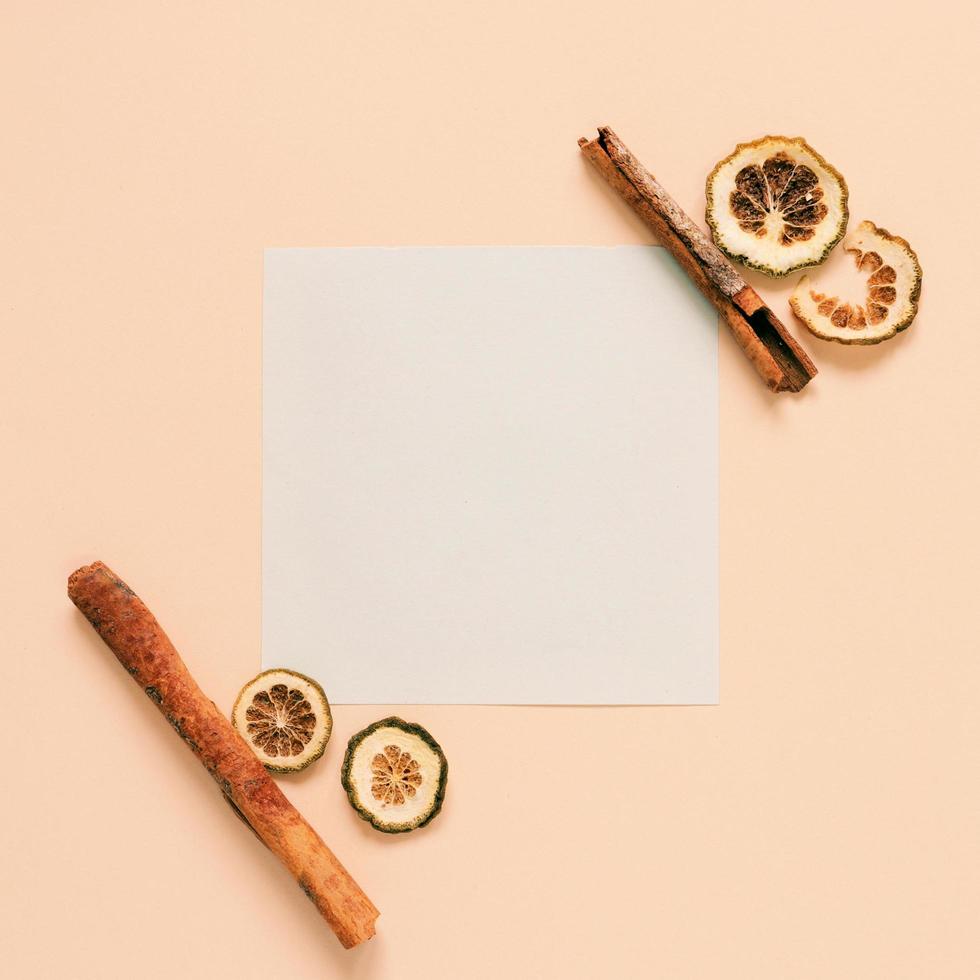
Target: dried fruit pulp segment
280	720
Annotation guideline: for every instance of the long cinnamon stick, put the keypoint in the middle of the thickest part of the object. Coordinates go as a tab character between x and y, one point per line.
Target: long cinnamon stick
141	646
781	363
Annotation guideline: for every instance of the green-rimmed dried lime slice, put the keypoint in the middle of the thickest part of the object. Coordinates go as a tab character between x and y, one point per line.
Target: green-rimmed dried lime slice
776	205
285	717
890	297
395	775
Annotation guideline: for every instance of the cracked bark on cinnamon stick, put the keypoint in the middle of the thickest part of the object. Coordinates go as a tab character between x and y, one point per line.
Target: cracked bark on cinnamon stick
778	359
141	646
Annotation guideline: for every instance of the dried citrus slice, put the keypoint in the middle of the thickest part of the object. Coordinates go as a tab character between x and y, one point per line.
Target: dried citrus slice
285	717
776	205
891	299
395	774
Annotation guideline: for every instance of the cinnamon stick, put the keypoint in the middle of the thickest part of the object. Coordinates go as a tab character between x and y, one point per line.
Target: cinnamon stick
779	360
141	646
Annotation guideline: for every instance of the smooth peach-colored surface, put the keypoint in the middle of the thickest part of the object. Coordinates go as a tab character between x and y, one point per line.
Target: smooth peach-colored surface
820	823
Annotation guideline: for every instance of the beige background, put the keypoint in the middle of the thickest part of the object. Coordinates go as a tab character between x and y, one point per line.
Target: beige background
822	822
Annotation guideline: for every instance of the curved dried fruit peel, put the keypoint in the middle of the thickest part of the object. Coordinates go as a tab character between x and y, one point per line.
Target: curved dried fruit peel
893	284
776	205
395	775
285	717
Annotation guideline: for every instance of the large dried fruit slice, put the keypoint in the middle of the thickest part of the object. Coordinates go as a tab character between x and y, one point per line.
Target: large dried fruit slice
891	298
395	774
285	717
776	205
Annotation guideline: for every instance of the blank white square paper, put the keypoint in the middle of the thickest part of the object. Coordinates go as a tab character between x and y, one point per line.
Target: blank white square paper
490	475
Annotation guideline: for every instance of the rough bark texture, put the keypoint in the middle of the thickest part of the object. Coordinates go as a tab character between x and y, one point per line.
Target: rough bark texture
778	359
716	267
141	646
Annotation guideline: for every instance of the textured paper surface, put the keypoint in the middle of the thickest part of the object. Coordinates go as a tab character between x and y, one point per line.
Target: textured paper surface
490	475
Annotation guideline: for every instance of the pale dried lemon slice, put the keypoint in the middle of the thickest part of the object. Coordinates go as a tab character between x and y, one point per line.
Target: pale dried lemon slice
395	775
285	717
891	297
776	205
